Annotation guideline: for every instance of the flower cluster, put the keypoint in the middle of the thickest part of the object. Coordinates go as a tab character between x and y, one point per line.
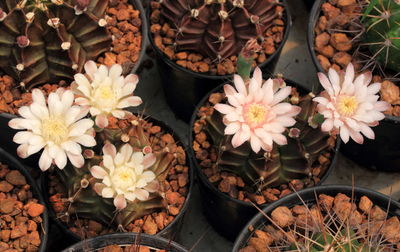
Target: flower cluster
60	126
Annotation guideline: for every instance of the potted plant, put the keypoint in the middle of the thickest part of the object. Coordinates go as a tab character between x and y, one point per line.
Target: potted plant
46	42
325	218
127	241
258	141
112	171
196	44
366	34
23	215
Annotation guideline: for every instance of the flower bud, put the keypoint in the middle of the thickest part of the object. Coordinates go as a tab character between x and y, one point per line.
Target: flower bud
23	41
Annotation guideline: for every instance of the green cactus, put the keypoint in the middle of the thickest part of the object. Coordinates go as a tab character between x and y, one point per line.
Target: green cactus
283	164
218	28
382	23
84	202
49	40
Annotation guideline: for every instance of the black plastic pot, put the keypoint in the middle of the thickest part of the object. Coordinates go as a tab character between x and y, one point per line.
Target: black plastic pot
308	196
170	232
97	243
309	3
228	215
14	164
184	88
383	153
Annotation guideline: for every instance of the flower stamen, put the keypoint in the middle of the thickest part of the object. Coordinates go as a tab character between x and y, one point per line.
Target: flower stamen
347	105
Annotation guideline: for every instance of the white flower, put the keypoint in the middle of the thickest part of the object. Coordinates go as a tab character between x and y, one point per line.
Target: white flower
57	128
350	105
256	112
105	91
125	175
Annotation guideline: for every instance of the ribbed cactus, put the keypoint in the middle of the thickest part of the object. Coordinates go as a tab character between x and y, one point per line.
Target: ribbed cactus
84	202
382	23
218	28
49	40
284	163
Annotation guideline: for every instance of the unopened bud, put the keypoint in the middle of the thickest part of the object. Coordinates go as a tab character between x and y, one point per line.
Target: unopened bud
30	16
254	19
74	66
147	150
294	133
194	13
23	41
125	138
223	14
84	183
88	154
102	22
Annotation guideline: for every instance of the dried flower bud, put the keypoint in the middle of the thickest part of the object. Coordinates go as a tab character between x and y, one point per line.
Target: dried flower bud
29	16
74	66
102	22
84	183
294	133
23	41
20	67
88	154
223	14
53	22
147	150
125	138
66	45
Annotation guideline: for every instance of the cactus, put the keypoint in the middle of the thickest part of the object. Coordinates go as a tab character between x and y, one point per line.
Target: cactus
218	28
84	202
50	40
281	165
382	23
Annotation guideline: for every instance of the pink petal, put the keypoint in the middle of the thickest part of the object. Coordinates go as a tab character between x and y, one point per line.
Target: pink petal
224	108
325	83
264	136
254	86
327	125
98	172
255	143
115	71
279	139
232	128
356	136
229	90
294	111
109	149
153	186
120	202
76	160
367	78
132	79
335	80
321	100
131	101
90	68
344	134
281	95
22	150
239	84
239	138
149	160
382	106
45	160
348	80
98	188
257	75
282	108
367	131
61	159
268	91
102	121
285	121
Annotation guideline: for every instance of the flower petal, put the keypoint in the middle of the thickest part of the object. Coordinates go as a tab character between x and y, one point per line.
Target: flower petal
120	202
98	172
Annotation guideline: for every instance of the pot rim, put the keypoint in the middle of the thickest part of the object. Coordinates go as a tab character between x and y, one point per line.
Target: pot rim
126	239
204	179
16	165
294	199
183	210
312	21
199	75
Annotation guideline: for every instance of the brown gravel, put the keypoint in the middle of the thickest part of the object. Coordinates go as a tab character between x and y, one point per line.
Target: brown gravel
136	248
124	24
233	185
300	218
336	48
20	221
175	188
164	34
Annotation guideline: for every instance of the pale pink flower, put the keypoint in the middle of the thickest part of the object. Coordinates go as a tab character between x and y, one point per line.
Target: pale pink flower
125	175
256	112
350	105
106	91
57	126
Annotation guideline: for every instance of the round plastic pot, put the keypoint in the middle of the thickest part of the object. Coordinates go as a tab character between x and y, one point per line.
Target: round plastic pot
123	239
383	153
184	88
308	196
226	214
309	3
8	133
14	164
172	231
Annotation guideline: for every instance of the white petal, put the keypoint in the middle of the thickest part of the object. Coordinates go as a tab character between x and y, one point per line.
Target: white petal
67	98
85	140
326	84
141	194
76	160
98	172
90	68
38	97
61	159
282	108
257	75
72	147
232	128
279	139
335	80
367	131
39	111
102	121
22	150
281	95
255	143
45	160
120	202
79	128
268	91
229	90
327	125
239	84
107	192
109	149
344	134
115	71
224	108
131	101
22	137
83	84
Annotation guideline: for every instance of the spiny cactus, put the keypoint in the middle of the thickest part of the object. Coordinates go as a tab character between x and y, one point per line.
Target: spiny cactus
218	28
49	40
83	200
382	23
284	163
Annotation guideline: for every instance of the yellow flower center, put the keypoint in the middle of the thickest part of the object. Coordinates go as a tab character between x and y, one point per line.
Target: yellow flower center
124	177
106	93
255	114
54	130
105	97
347	105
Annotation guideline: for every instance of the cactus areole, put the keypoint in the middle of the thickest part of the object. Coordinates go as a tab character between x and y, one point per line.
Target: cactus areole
383	33
218	28
49	40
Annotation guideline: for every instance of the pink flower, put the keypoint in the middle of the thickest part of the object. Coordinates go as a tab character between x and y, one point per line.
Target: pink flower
350	105
256	112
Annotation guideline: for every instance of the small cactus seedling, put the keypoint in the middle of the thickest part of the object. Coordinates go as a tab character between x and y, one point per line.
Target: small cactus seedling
50	40
382	24
218	28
